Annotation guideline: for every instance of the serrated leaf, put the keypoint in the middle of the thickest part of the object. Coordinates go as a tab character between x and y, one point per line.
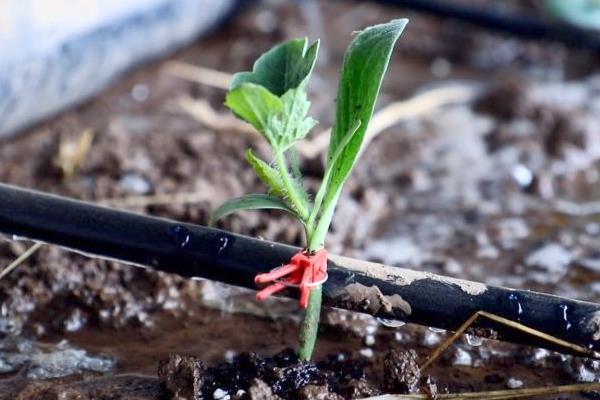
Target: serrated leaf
268	175
284	67
250	202
295	122
365	64
255	105
282	73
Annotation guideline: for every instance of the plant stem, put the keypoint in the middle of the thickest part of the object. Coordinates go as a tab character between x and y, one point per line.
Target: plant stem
328	214
289	186
318	229
310	324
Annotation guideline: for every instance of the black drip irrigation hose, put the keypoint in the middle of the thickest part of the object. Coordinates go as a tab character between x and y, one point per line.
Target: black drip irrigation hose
518	24
195	251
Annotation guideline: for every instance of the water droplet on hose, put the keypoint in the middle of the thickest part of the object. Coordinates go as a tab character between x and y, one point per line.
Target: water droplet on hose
223	243
391	323
565	309
181	236
516	303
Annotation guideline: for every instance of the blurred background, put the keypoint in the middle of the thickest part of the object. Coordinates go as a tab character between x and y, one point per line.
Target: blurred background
482	164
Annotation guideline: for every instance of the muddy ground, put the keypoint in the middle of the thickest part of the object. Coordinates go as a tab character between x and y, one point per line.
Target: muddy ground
500	190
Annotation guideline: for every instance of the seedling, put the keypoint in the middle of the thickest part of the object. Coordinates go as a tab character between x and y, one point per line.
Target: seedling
272	98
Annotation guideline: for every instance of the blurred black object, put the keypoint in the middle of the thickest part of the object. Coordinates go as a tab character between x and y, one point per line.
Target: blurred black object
527	26
197	252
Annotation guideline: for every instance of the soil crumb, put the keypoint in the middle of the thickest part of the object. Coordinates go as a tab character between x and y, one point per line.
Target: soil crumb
182	376
401	371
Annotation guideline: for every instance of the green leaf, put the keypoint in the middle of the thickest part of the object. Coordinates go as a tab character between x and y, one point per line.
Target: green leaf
329	169
255	105
365	64
272	97
337	154
268	175
295	122
283	121
250	202
284	67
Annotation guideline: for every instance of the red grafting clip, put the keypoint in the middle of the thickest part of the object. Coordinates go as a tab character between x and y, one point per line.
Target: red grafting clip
304	271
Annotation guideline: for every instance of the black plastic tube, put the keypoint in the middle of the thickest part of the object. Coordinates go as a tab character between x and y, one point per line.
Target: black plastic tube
198	252
519	24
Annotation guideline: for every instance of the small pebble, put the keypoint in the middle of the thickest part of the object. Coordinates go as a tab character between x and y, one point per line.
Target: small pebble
229	355
75	321
430	338
140	93
552	257
539	357
440	68
453	267
592	228
514	383
371	329
474	340
135	184
367	353
462	357
522	175
220	394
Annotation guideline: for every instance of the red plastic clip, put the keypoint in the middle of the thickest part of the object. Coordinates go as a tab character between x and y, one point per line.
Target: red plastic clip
304	271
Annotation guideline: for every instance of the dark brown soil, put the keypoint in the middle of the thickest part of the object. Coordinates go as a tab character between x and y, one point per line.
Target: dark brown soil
475	191
280	376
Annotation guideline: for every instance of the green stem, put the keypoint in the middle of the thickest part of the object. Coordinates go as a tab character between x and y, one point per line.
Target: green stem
310	324
289	186
317	227
325	220
317	230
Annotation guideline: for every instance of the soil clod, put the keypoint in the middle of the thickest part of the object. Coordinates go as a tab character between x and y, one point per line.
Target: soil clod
259	390
182	377
249	376
401	371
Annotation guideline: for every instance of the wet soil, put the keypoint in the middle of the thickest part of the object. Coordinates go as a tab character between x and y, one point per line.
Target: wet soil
498	191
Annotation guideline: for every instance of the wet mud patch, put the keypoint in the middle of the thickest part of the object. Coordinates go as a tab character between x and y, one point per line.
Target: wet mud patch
370	300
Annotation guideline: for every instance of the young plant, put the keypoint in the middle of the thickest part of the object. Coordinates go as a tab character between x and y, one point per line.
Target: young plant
272	98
